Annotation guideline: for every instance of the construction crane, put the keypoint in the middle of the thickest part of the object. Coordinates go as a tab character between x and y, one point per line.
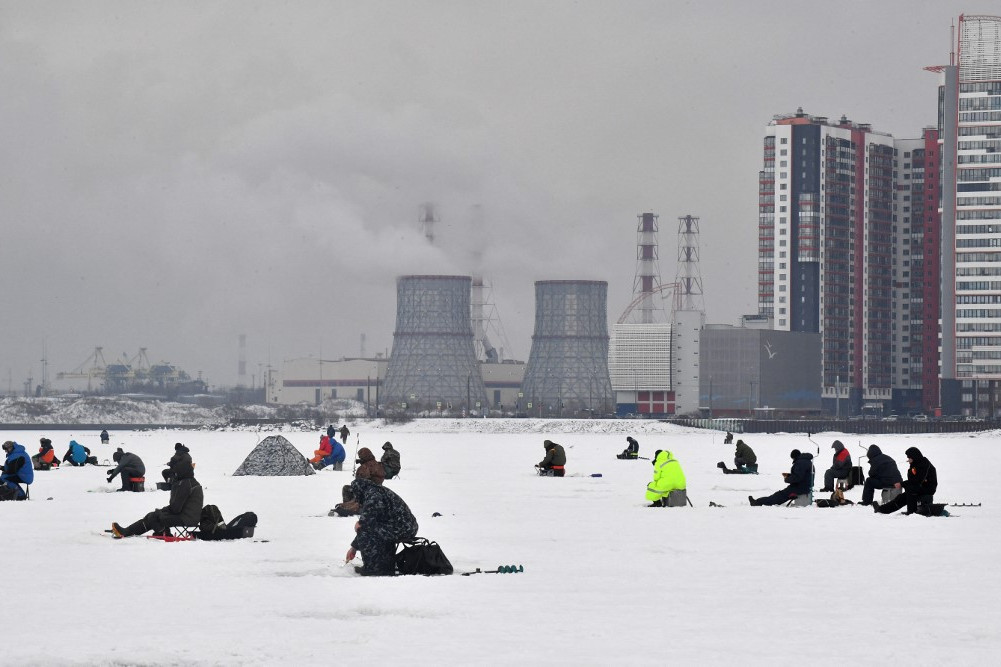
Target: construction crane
97	369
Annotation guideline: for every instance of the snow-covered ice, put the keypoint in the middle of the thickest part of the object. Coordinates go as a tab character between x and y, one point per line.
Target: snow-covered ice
607	580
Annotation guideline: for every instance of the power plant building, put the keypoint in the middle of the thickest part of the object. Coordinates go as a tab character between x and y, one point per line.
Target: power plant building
567	370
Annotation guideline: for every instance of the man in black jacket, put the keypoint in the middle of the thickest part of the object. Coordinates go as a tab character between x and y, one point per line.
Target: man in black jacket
185	508
883	474
919	488
799	480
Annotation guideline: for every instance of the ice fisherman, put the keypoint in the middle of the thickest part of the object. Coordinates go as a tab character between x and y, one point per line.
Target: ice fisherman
46	458
390	460
181	453
883	474
78	455
385	521
128	465
370	470
919	487
668	488
555	461
632	450
798	481
105	438
841	466
745	461
16	470
184	508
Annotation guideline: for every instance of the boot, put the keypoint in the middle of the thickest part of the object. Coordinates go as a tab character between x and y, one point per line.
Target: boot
117	531
754	503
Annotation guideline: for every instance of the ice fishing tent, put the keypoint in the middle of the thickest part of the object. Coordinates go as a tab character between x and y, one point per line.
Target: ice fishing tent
275	456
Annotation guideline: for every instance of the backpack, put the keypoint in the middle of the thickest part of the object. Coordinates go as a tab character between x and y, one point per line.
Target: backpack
211	520
421	556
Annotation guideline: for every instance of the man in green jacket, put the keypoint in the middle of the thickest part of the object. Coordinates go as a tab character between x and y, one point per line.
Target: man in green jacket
668	486
745	462
554	463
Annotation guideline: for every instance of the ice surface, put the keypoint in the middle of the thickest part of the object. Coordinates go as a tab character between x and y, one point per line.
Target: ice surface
607	580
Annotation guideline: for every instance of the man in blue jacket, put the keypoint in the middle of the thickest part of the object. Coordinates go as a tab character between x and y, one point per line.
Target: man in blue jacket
799	481
17	470
336	456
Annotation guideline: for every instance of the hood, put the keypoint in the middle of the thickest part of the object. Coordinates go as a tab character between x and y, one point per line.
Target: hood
873	451
662	455
17	449
365	454
913	453
182	466
74	443
837	446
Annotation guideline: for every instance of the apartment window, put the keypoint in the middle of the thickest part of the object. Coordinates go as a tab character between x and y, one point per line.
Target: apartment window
783	151
784	140
782	323
783	163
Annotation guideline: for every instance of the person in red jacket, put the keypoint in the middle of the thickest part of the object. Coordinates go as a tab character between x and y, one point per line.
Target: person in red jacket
324	451
841	466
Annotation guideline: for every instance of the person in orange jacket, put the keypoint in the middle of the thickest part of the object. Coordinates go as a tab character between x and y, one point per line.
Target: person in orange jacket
324	451
46	458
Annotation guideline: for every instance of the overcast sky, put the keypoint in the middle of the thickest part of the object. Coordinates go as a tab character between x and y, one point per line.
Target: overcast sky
173	175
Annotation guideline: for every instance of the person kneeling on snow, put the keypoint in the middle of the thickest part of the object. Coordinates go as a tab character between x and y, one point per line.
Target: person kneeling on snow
16	470
184	509
745	462
554	464
798	480
78	455
129	466
668	486
632	450
385	522
919	487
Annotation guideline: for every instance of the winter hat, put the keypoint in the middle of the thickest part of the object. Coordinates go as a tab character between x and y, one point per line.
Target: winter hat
794	454
178	447
388	445
873	451
913	453
837	445
45	441
117	456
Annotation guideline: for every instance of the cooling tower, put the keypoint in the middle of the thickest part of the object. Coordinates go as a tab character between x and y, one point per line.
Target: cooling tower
433	365
567	370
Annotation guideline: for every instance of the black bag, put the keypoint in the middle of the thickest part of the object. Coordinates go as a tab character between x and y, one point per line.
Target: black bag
237	529
857	477
422	556
211	520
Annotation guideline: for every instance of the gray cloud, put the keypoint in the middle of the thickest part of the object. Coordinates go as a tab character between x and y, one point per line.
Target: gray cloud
174	175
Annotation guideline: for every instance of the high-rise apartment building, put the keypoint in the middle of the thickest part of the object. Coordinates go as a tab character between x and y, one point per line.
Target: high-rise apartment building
825	249
970	127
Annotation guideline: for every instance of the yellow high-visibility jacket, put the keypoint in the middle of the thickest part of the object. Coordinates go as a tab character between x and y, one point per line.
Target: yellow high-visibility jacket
667	476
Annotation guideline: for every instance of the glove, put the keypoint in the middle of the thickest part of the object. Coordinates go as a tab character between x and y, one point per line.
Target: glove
111	476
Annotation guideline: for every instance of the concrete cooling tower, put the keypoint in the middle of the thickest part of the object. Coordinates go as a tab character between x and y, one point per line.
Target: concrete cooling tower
567	370
433	365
